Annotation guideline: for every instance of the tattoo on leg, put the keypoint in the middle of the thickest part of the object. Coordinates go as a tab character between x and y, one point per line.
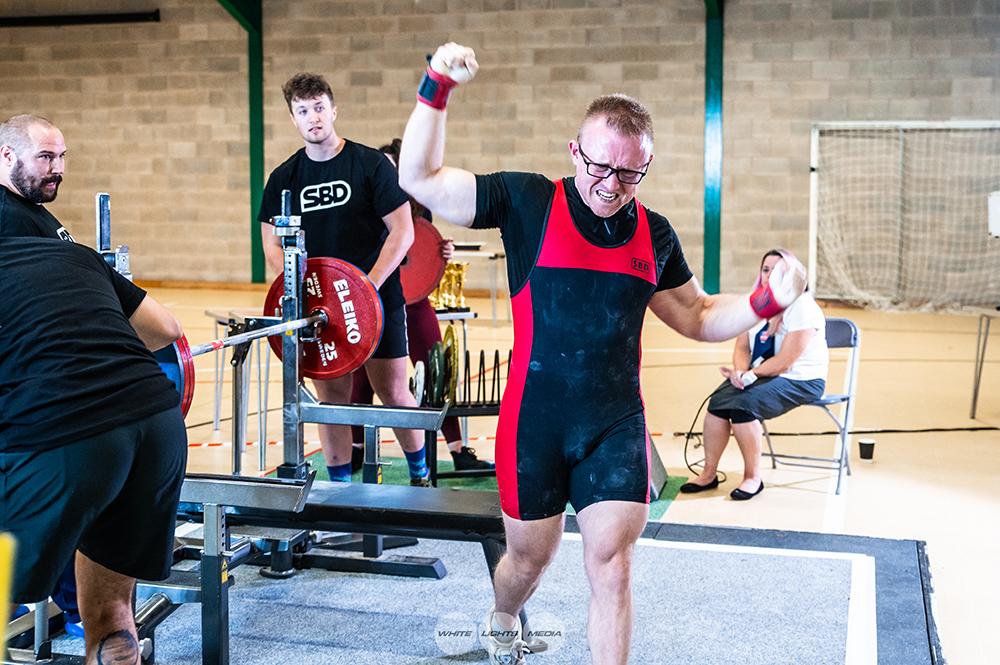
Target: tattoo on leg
118	648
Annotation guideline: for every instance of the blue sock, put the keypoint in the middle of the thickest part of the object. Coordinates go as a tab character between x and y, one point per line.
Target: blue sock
340	473
418	463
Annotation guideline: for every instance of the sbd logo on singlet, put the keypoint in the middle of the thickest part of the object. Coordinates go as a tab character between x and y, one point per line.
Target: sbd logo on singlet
324	195
640	266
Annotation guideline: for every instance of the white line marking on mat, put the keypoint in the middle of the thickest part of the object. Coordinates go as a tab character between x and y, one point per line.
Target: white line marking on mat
862	633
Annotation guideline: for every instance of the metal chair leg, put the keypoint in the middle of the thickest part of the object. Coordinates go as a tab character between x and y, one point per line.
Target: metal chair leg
846	451
767	436
843	462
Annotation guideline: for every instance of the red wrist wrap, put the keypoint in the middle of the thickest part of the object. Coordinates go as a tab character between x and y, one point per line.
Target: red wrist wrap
434	89
763	303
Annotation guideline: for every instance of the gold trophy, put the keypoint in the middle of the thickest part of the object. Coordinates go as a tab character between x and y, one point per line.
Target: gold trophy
435	296
449	293
458	292
439	298
448	286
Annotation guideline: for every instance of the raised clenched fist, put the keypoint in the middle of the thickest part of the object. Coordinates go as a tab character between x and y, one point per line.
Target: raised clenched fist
455	61
787	280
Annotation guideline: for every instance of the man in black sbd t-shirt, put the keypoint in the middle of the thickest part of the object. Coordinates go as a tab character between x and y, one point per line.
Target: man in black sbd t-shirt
352	209
92	442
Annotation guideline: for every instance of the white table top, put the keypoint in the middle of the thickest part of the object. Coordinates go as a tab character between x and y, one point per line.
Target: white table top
456	316
480	254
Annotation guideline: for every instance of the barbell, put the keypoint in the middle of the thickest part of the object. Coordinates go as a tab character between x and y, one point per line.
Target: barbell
344	306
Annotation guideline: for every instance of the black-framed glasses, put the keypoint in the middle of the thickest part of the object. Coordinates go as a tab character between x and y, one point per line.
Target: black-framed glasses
604	171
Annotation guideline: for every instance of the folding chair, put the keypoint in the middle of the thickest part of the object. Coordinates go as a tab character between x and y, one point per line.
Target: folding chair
840	334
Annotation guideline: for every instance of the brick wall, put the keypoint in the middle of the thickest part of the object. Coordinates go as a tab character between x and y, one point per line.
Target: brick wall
541	64
156	113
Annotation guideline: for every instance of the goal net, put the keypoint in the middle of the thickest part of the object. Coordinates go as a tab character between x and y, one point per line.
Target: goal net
898	213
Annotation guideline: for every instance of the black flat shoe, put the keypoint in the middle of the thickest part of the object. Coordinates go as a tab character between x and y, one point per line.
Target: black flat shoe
694	488
739	495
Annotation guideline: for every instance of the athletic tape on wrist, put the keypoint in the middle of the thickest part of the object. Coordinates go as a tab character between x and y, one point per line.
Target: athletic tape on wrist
764	303
434	89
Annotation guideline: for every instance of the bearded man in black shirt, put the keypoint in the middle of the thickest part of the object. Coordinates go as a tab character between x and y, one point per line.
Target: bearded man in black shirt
585	261
32	160
32	163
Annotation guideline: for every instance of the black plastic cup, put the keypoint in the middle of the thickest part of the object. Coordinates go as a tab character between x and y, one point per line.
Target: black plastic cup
866	449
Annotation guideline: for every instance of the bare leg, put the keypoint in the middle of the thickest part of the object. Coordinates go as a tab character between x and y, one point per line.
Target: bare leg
748	437
388	378
609	530
335	439
716	437
105	599
531	545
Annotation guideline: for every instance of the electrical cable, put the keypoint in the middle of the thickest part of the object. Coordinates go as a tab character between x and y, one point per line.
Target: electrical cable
687	439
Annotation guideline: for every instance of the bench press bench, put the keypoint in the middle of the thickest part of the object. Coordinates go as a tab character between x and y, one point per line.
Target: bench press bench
224	502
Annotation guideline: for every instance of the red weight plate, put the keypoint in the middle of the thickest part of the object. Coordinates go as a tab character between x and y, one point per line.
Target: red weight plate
176	362
187	373
353	309
424	266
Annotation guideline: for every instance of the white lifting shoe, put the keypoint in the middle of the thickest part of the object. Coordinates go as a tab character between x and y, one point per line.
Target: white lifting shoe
505	647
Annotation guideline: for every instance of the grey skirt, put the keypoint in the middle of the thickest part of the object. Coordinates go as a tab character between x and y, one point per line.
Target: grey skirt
763	399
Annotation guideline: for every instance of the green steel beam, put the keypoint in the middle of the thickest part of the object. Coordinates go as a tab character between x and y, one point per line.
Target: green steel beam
713	144
249	14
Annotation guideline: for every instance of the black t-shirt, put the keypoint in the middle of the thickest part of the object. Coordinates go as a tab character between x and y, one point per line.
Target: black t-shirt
71	365
19	217
518	204
342	202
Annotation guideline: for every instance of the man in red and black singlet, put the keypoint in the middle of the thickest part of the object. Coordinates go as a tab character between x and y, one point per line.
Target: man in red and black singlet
585	260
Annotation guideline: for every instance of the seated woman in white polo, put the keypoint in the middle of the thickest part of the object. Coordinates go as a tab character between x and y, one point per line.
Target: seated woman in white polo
778	365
